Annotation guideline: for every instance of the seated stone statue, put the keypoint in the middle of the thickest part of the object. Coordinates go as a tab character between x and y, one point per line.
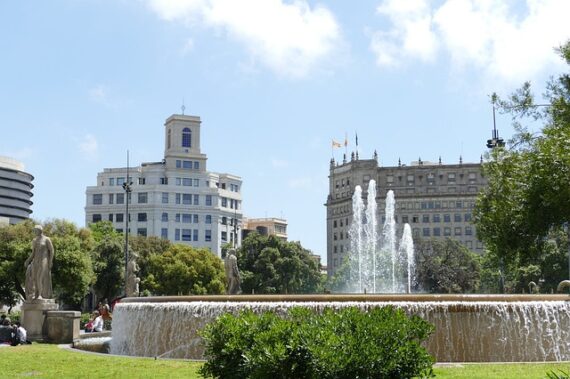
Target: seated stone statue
232	273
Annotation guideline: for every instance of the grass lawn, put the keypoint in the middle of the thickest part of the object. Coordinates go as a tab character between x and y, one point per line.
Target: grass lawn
49	361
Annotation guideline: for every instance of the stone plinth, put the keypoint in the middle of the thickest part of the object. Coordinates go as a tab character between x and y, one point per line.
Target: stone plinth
34	317
63	326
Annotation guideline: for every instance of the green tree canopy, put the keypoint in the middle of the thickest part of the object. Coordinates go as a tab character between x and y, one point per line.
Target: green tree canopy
446	266
528	196
270	265
184	270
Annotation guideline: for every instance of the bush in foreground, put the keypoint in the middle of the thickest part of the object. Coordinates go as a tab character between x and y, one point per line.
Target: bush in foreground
347	343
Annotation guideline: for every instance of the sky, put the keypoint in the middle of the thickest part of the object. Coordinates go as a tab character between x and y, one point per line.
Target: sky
273	81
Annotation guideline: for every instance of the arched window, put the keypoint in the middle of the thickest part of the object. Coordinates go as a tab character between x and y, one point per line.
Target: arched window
169	134
186	137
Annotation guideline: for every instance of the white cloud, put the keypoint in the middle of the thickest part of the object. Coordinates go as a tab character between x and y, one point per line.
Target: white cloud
506	40
89	146
288	38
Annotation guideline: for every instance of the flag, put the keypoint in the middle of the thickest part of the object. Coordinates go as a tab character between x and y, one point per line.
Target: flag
336	144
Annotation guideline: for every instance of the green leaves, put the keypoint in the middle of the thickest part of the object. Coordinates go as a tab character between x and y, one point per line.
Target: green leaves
338	343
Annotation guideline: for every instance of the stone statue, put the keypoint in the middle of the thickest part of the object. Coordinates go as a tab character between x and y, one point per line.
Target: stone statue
232	273
133	281
38	267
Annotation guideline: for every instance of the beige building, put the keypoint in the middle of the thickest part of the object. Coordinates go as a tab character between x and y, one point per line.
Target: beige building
267	226
436	199
176	198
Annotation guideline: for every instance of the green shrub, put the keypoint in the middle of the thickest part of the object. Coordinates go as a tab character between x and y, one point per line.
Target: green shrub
346	343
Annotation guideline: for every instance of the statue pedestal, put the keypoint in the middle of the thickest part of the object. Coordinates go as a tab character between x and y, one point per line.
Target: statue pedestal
34	316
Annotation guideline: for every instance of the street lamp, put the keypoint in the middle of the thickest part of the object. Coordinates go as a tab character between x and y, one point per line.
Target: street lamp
127	187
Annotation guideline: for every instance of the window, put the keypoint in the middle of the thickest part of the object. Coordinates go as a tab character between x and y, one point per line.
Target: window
334	224
97	199
425	219
177	219
178	181
186	198
224	236
143	197
196	182
457	217
457	231
177	234
446	218
111	198
436	218
186	234
178	163
165	198
425	232
187	165
195	219
468	231
208	235
196	165
164	217
436	232
141	217
186	218
96	217
177	198
119	217
196	199
467	217
404	219
451	177
142	180
195	235
208	219
163	180
186	137
169	138
209	200
164	233
110	217
111	181
224	202
141	232
458	204
120	181
446	231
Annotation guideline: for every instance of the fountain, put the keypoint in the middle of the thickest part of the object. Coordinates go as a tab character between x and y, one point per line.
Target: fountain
469	328
372	270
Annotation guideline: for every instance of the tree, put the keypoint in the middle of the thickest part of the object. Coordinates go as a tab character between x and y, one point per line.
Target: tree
71	273
109	267
270	265
446	266
147	247
528	196
184	270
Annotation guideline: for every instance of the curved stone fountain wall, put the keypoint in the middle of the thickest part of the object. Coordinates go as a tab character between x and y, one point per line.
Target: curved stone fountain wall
469	328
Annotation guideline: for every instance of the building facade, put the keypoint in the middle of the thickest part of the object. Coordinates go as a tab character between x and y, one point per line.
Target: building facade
177	198
269	226
435	199
15	191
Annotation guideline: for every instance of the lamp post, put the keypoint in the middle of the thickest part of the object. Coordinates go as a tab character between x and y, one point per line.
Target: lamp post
127	187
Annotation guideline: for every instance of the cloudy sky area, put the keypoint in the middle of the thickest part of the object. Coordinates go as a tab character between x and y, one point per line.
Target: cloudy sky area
273	82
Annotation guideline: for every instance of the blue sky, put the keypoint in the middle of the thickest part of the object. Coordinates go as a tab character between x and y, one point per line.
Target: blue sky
273	82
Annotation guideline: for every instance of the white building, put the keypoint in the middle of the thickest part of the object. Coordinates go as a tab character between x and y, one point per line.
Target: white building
177	198
15	191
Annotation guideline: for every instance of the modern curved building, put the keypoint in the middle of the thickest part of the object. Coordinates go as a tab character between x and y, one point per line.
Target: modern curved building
15	191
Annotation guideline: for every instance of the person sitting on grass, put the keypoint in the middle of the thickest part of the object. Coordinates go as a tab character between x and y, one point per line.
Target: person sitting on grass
5	331
20	335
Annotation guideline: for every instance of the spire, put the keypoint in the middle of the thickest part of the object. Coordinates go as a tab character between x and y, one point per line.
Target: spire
399	163
460	159
440	160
